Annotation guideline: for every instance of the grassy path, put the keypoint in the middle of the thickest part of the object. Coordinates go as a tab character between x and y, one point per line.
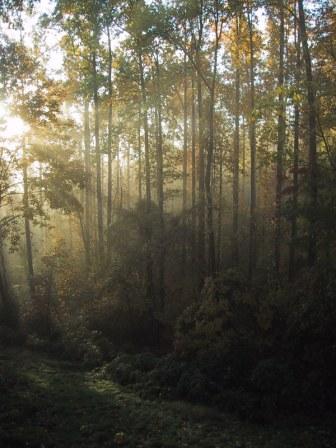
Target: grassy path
46	403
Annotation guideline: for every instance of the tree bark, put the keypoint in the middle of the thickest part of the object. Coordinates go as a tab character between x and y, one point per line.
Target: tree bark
185	159
88	190
292	247
148	237
26	213
160	194
98	161
201	192
193	171
109	146
235	187
311	96
220	211
139	157
281	141
211	145
145	125
253	150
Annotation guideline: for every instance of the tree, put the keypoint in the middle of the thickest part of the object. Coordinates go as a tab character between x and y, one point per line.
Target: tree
311	99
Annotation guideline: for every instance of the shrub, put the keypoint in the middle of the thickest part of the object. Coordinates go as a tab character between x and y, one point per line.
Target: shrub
10	337
278	344
146	362
195	386
221	332
168	371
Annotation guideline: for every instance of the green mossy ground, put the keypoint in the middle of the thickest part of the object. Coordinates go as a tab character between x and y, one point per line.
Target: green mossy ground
47	403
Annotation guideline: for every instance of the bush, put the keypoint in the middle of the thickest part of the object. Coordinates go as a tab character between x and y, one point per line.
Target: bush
238	401
168	371
195	386
146	362
278	345
123	369
221	332
9	313
11	337
270	377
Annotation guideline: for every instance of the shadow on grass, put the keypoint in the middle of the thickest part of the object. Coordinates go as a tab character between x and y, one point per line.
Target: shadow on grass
45	405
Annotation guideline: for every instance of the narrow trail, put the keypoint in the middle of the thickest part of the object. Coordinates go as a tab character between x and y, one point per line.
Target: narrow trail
47	403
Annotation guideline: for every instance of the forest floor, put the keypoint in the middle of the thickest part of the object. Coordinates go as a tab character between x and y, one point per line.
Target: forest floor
47	403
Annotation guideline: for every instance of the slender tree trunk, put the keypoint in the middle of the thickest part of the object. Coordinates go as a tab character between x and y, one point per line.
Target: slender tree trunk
253	151
235	189
139	157
128	202
26	212
149	256
210	231
145	125
281	141
88	190
185	160
201	192
211	145
220	211
121	199
118	180
160	194
193	171
244	163
201	164
109	147
4	292
98	161
292	247
311	94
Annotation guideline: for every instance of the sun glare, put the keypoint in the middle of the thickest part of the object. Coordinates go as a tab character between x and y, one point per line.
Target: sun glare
11	126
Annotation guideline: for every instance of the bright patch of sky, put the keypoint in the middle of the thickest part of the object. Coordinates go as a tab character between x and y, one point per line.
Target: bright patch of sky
11	127
50	47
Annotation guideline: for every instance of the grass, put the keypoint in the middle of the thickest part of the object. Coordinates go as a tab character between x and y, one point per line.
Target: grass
46	403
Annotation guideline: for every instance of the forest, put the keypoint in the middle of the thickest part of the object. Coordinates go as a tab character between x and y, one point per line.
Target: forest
167	223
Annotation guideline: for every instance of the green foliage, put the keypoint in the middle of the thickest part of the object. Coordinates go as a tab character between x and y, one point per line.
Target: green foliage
277	344
221	327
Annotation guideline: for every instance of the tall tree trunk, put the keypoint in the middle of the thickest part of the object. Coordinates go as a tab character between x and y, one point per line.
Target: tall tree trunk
201	192
211	147
109	147
185	159
220	211
4	292
149	256
145	125
139	157
201	164
118	177
235	189
88	188
193	171
281	141
210	231
128	177
253	151
243	144
26	212
98	161
292	247
311	96
160	195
